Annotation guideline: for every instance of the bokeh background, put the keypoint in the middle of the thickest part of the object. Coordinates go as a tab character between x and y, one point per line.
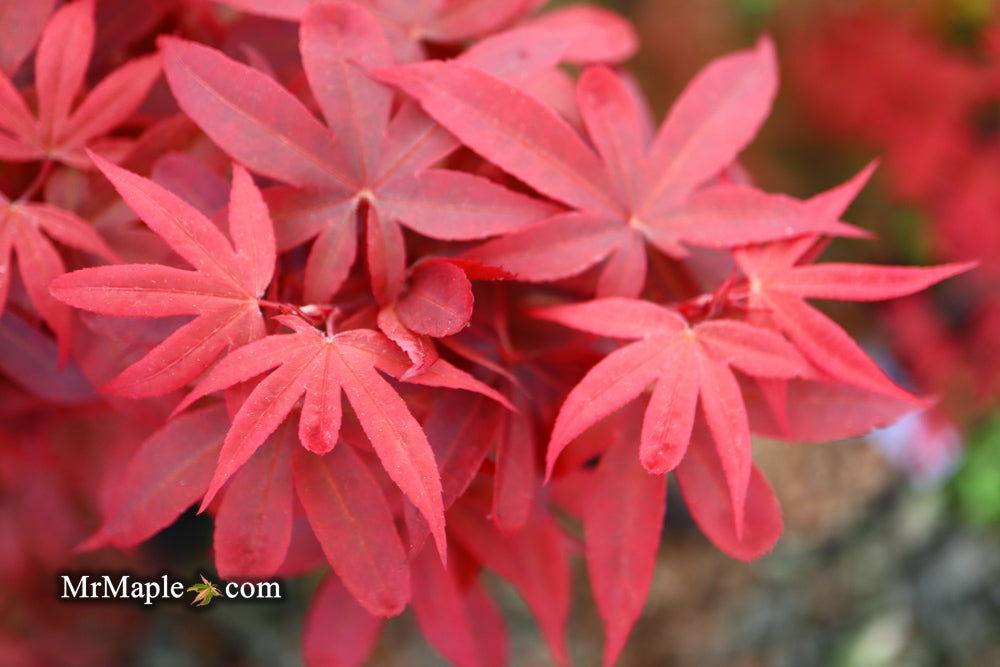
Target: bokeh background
892	550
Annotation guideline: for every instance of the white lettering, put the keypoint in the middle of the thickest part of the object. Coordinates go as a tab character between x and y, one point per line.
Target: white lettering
70	592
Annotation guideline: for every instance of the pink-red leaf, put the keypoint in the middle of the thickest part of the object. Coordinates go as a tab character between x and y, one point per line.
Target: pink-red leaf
397	438
561	246
534	561
622	523
613	382
461	622
669	418
166	475
704	487
354	525
716	116
518	471
253	526
753	350
625	273
615	317
456	206
338	40
279	138
319	424
112	101
862	282
338	631
614	122
61	63
510	128
727	420
21	23
252	232
438	302
599	35
261	414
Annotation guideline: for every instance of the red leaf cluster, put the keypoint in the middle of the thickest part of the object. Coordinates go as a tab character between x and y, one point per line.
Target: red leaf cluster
425	214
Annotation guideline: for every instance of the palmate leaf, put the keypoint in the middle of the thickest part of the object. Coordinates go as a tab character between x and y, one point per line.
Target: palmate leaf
317	366
59	131
222	292
778	286
25	230
690	365
635	189
361	158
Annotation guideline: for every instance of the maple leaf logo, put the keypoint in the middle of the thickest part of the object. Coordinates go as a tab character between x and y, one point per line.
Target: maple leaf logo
206	592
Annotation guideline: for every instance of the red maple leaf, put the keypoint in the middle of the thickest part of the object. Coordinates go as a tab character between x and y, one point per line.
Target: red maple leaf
21	233
689	364
365	160
779	279
62	130
320	366
223	291
635	188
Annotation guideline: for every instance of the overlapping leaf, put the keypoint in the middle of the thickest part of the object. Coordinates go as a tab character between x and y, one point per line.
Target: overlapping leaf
636	188
690	365
622	520
319	367
361	159
222	291
778	286
21	233
353	522
62	129
338	631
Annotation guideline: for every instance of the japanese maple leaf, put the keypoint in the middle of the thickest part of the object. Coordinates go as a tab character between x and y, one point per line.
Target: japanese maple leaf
320	366
779	279
635	189
364	160
222	291
21	232
408	23
689	364
206	591
62	130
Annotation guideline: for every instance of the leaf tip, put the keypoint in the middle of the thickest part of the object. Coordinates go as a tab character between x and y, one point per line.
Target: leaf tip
98	540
